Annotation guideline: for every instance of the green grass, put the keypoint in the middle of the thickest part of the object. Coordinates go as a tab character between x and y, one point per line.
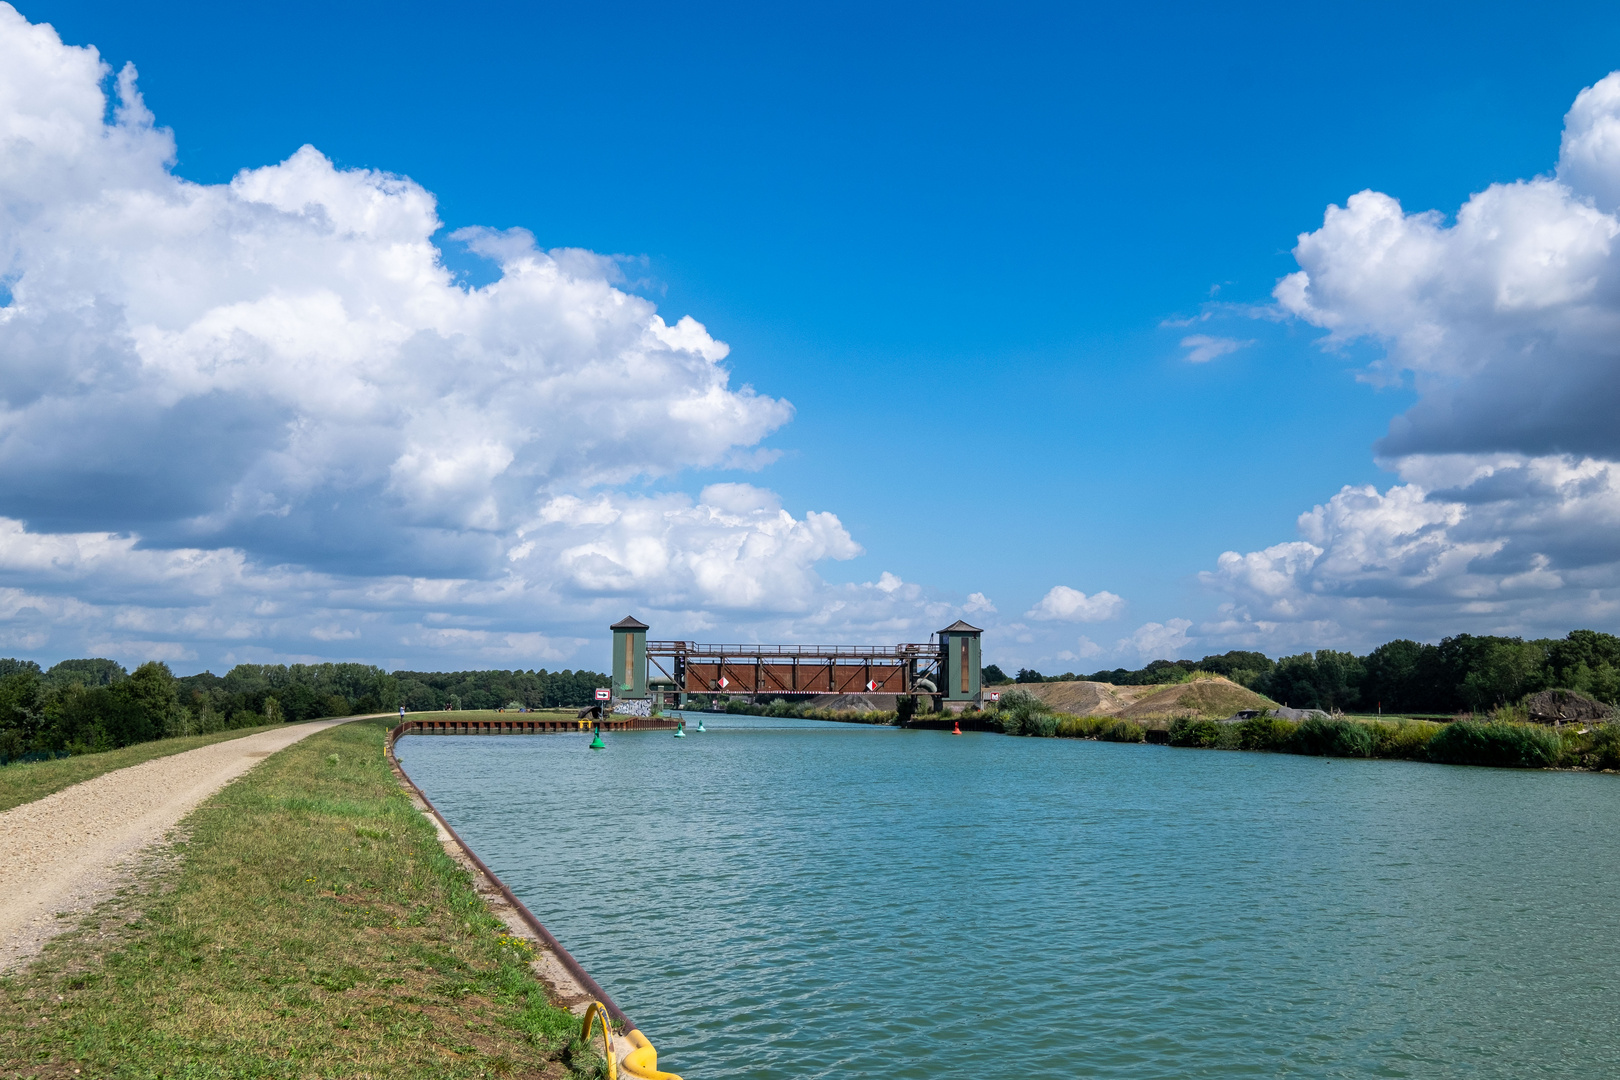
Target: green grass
310	926
26	781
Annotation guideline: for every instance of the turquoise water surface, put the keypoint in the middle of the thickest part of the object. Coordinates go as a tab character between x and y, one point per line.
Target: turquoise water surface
779	898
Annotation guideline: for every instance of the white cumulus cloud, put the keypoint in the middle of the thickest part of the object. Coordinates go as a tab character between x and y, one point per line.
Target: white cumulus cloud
1157	641
1505	318
1071	605
262	418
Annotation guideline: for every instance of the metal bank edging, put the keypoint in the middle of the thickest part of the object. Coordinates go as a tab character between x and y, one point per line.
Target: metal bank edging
589	984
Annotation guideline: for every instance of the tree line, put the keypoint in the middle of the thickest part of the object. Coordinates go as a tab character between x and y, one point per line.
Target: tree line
1464	673
80	706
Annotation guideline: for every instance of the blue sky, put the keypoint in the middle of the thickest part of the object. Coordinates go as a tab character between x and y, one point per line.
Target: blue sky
965	243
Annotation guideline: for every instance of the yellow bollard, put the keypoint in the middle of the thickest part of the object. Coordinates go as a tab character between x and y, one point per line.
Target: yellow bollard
642	1062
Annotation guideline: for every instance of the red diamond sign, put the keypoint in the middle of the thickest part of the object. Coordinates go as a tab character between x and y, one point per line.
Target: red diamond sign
872	684
724	682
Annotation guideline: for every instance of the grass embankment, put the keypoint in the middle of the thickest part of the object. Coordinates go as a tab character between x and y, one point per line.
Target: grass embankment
25	781
1497	741
1462	742
311	926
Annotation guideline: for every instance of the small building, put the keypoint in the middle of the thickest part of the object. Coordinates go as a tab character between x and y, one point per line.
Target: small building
629	672
959	662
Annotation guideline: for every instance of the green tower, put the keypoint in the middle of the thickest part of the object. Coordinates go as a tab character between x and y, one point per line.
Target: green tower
959	661
629	671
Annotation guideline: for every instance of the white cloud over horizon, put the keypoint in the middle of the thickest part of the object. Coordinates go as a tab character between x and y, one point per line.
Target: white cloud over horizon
295	433
1064	604
1506	320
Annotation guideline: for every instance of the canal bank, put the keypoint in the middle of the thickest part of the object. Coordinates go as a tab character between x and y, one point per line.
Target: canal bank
567	982
306	922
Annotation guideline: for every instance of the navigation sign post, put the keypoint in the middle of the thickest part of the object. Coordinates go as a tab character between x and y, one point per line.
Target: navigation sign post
871	685
993	695
604	694
724	682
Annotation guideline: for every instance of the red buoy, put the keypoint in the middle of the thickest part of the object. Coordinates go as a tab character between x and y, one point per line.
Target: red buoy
956	727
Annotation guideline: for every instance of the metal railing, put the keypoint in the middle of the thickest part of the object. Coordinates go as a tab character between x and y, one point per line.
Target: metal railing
692	649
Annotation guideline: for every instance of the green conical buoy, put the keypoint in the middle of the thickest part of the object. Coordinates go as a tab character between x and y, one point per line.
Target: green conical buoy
597	743
700	723
680	729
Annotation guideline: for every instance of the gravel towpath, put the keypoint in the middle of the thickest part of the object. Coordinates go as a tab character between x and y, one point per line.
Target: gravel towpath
67	852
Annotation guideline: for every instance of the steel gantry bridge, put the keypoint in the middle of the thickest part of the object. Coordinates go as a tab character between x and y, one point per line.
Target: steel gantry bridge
946	667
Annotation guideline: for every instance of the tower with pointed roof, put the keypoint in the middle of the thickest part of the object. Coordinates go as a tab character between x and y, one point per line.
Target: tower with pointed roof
629	671
959	662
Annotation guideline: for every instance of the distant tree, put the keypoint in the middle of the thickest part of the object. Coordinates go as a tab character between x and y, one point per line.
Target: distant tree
1585	660
1503	669
12	667
152	690
1029	675
22	710
1391	675
1165	671
992	675
1243	668
1325	679
97	672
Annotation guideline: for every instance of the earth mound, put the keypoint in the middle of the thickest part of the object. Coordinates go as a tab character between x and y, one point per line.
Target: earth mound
1083	698
1205	697
1551	706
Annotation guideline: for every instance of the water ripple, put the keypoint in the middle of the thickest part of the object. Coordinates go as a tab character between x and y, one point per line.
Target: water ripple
777	899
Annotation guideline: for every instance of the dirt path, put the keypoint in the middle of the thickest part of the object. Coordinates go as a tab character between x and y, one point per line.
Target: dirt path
70	850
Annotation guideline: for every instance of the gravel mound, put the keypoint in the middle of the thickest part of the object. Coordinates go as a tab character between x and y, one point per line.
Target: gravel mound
1552	706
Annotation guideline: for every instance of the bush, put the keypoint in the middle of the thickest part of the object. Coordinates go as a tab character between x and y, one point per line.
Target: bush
1080	727
1191	731
1605	747
1122	731
1520	746
1333	738
1022	713
1408	739
1037	724
1265	733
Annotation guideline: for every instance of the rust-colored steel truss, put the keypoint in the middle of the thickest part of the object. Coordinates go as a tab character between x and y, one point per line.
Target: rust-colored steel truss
788	670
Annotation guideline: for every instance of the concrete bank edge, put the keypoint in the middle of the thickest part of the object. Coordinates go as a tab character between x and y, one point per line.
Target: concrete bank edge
532	925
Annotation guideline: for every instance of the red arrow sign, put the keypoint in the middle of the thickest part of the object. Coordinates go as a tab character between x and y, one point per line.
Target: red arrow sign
604	695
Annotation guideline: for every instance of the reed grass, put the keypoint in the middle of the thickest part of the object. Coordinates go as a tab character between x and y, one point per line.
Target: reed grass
1524	746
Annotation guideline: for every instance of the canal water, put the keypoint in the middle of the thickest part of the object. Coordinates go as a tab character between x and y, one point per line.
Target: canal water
776	899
